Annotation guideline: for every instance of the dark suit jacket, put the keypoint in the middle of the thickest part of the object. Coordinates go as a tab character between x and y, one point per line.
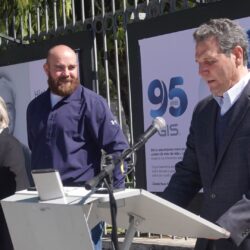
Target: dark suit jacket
12	157
12	177
224	176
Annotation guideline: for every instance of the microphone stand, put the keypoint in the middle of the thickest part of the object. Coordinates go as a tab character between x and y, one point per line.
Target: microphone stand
109	166
113	212
104	176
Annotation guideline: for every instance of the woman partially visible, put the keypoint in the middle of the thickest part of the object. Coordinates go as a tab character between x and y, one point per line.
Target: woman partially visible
13	176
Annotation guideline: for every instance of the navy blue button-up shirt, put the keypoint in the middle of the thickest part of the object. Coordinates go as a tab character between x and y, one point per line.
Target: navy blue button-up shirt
70	136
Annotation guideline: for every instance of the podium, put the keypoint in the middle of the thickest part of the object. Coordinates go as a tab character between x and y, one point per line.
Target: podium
63	224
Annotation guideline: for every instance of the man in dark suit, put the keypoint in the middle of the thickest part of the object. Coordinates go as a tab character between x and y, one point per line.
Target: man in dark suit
217	156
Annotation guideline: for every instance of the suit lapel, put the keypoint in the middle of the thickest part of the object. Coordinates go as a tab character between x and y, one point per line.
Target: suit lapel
238	113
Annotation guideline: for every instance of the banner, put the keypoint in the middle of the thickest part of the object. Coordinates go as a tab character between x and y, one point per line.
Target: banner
23	82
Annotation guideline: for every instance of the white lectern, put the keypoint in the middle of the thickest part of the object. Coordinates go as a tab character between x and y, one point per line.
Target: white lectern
54	225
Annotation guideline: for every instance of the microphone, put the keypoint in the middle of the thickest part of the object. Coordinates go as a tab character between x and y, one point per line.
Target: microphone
157	124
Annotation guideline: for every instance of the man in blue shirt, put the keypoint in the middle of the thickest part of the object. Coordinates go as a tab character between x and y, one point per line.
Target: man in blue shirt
69	126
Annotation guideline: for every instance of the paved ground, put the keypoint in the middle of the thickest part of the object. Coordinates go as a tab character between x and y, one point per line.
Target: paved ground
165	243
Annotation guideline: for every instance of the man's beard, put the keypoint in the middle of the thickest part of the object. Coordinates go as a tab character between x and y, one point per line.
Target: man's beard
62	86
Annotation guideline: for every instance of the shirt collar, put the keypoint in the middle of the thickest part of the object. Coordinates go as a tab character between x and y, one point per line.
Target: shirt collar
4	130
55	99
232	95
76	95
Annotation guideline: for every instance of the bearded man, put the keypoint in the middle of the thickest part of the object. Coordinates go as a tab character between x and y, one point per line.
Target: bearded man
68	127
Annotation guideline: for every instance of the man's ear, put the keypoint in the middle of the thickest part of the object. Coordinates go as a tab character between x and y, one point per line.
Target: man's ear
238	52
46	68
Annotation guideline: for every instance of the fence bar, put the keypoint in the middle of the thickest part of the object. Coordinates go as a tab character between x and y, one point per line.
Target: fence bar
30	24
6	24
131	138
21	27
38	20
117	67
83	11
55	14
95	60
14	25
73	13
106	68
46	17
64	14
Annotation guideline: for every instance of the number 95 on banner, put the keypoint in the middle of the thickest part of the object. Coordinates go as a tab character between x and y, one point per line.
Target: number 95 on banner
161	97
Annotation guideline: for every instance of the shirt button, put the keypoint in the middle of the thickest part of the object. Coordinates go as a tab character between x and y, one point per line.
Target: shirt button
213	196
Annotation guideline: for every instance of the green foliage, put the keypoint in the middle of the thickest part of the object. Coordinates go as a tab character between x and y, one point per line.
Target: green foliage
19	9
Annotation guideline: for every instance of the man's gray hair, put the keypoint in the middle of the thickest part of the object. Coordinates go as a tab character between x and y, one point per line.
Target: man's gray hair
228	33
